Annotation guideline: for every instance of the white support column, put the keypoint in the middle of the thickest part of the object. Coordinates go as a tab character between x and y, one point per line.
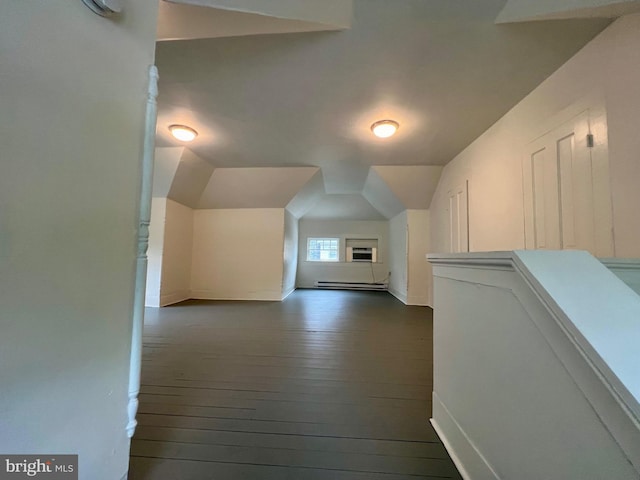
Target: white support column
143	243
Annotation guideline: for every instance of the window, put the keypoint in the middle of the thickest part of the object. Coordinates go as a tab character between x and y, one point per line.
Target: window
322	249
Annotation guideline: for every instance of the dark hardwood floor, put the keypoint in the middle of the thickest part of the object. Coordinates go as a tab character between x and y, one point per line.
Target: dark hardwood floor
325	385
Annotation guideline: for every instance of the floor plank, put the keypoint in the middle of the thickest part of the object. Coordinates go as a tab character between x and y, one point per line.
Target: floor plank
325	385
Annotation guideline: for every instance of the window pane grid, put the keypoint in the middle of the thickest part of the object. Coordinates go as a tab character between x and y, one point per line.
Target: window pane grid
322	249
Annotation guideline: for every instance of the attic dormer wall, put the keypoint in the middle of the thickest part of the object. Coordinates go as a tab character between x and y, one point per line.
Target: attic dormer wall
290	253
411	279
398	256
342	271
238	254
219	254
169	253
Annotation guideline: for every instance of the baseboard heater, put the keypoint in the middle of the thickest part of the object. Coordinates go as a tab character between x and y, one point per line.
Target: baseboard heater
352	285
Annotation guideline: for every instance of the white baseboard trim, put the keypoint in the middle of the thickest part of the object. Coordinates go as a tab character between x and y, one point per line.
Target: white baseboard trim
174	297
288	292
421	301
448	447
469	461
243	296
399	295
152	301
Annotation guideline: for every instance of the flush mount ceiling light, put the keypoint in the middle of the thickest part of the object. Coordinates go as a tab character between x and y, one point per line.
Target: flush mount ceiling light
183	133
385	128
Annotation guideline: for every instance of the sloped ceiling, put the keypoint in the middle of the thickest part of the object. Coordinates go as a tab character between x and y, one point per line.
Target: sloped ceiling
444	70
254	187
183	176
378	194
334	13
190	179
190	19
529	10
307	196
164	171
179	174
414	186
343	207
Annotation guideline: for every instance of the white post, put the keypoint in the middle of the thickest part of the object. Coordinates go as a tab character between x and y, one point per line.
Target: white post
143	243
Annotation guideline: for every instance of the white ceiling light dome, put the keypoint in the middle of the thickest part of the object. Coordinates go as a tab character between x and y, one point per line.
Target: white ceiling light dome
385	128
183	133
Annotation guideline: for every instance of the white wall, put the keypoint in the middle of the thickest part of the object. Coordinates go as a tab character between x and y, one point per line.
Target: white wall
177	258
621	79
398	256
155	251
238	254
309	272
411	278
605	73
420	280
72	98
290	254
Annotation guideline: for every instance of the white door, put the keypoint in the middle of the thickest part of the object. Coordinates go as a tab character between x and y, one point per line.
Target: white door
459	218
542	222
566	191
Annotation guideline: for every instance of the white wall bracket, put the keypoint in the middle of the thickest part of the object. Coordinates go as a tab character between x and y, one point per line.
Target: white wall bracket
104	8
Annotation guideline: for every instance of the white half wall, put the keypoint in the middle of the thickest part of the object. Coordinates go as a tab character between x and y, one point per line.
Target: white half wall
238	254
419	276
342	271
535	366
290	254
398	256
72	96
626	269
177	254
603	75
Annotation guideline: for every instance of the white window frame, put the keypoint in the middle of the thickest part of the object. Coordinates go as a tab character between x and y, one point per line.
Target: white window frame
336	240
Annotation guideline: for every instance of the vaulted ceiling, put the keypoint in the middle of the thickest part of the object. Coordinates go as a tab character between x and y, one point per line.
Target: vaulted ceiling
261	98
